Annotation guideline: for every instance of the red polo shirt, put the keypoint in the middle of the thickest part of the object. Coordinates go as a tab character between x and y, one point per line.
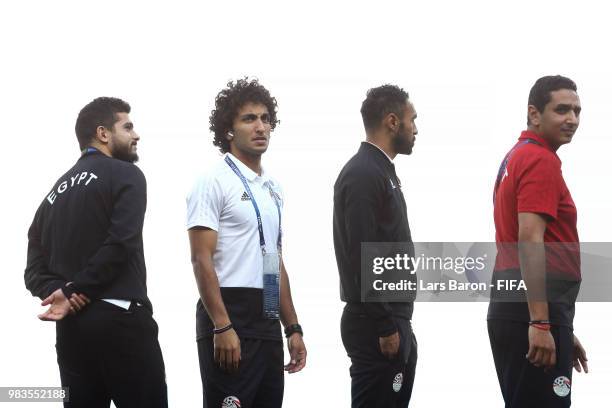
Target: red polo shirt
533	182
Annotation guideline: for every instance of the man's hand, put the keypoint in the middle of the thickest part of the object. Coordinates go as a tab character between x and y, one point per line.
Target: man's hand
297	352
580	357
60	307
389	345
227	350
542	350
77	302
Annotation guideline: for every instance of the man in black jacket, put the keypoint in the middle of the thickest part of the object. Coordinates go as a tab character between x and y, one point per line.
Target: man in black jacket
86	261
369	206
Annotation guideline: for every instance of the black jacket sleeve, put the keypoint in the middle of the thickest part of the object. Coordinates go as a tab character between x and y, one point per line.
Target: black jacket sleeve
129	193
363	201
39	280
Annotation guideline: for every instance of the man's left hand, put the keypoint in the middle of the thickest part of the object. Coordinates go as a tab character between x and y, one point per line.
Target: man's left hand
580	358
58	309
297	352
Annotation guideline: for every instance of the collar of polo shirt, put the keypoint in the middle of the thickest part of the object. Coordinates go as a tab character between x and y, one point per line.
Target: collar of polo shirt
248	174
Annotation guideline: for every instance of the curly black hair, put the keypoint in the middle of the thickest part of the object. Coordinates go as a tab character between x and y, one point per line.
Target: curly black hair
230	100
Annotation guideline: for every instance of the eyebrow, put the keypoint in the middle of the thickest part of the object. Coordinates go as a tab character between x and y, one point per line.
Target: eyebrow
255	116
568	106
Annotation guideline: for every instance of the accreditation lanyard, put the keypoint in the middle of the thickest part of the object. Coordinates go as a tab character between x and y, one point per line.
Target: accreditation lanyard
262	240
504	164
89	150
271	262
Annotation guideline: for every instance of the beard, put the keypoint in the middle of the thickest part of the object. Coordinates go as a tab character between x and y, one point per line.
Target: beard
124	153
402	142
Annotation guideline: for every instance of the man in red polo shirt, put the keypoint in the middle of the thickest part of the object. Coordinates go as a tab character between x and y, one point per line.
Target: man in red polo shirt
531	331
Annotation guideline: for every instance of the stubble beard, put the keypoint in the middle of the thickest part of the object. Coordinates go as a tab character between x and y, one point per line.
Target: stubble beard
401	143
124	153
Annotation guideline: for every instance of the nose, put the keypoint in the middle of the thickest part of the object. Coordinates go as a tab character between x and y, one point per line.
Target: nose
572	118
136	136
260	126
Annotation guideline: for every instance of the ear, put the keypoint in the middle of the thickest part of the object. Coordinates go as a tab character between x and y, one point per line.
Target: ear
103	135
391	122
534	115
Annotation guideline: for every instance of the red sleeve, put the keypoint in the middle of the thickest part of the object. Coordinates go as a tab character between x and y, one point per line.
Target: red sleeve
538	188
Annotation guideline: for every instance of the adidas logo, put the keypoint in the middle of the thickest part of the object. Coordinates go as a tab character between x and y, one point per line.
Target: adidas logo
245	197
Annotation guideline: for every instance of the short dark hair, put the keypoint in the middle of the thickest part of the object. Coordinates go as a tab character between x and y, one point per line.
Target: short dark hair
539	95
230	100
380	102
101	111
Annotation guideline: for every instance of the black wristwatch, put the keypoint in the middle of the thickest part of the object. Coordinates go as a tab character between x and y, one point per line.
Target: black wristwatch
292	329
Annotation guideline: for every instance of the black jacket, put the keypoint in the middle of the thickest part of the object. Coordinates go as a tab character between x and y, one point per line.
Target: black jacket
369	206
88	230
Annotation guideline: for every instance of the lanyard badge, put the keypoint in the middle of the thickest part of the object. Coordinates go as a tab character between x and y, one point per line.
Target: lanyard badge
271	286
271	262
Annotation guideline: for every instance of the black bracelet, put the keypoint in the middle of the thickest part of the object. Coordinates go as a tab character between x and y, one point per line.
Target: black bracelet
223	329
292	329
539	322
